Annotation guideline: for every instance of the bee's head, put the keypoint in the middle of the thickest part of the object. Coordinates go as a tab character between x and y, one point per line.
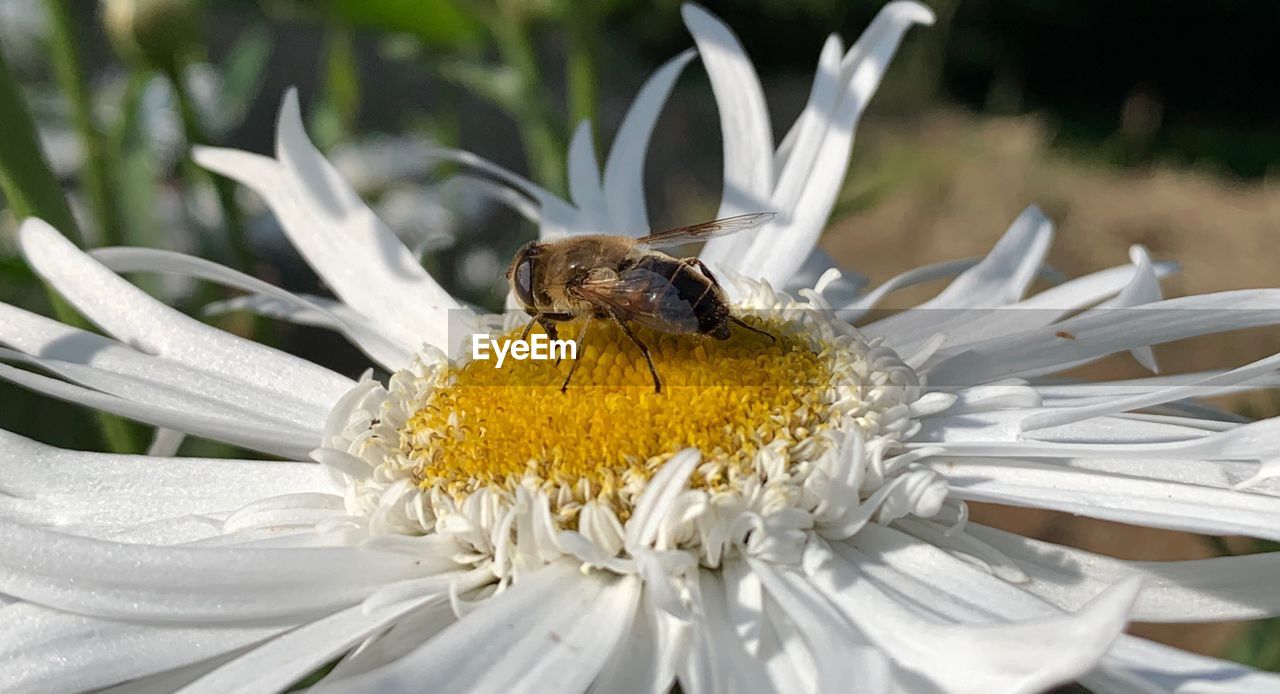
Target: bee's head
520	274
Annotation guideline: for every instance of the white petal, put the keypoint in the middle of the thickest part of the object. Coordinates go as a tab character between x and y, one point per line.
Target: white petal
805	202
1042	350
355	253
1169	669
193	584
925	273
290	657
106	493
552	631
556	217
1200	590
1090	289
732	668
1154	503
624	171
45	650
815	274
286	442
794	158
1206	387
165	442
42	337
353	326
133	317
650	510
1144	288
181	395
744	124
584	178
1004	275
1025	656
968	304
955	589
838	648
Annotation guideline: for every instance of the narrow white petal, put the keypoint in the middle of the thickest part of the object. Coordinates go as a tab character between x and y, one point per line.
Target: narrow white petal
39	336
1091	289
969	304
838	647
805	202
733	669
165	442
290	657
136	319
624	171
47	651
925	273
556	217
341	238
1004	275
355	327
744	123
406	634
955	589
552	631
107	492
283	441
815	274
183	395
1168	669
1154	503
794	158
1205	387
1042	350
671	479
1144	288
1200	590
806	141
193	584
1026	656
585	187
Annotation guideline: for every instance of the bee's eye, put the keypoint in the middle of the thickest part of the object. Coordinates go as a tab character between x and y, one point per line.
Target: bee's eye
522	281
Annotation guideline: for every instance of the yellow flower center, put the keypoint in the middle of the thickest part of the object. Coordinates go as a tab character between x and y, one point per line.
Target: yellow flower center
487	427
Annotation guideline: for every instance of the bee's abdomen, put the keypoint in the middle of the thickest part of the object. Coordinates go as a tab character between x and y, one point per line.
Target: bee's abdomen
694	293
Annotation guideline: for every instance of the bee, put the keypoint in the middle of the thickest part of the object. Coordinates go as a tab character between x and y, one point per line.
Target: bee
627	281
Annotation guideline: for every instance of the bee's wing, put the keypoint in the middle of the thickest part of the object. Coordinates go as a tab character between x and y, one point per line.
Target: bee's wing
643	296
705	230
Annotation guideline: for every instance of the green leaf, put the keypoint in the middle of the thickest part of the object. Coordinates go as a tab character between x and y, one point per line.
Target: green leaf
442	23
243	70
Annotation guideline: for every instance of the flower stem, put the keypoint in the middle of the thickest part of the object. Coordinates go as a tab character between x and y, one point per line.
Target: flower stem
32	190
96	173
544	145
237	239
28	183
580	67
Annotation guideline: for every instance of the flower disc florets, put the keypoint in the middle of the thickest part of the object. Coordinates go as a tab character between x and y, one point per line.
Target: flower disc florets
507	463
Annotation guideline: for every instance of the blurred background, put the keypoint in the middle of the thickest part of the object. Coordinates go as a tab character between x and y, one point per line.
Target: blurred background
1134	122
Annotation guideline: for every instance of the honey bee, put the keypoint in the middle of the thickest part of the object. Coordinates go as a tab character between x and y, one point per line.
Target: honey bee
626	280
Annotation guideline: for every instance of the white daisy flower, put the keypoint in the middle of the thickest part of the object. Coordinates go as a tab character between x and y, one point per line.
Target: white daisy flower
785	516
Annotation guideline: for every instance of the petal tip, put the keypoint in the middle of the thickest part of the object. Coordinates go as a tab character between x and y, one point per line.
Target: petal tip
910	11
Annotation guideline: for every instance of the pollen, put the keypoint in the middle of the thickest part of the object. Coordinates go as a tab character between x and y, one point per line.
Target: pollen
608	432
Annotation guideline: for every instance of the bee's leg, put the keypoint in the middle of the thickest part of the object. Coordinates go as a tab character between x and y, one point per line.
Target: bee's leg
577	351
548	326
524	334
739	322
644	349
702	267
